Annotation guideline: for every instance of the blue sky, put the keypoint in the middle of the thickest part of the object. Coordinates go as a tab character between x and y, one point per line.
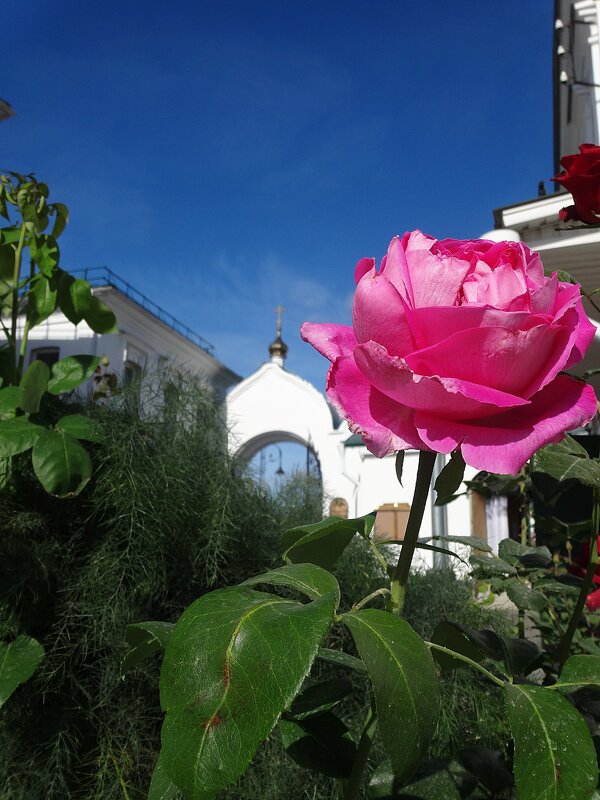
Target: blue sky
225	157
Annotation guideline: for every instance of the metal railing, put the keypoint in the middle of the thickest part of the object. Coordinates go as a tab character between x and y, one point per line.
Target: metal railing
103	276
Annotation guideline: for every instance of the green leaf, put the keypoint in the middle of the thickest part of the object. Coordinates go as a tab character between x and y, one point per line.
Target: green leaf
321	743
475	645
18	661
71	372
7	263
470	541
17	435
524	597
100	318
341	659
566	461
320	697
434	781
9	400
81	427
74	297
161	786
422	546
405	683
555	758
309	579
489	767
60	463
235	661
45	253
490	566
323	542
145	639
43	298
32	386
579	671
61	218
450	478
517	655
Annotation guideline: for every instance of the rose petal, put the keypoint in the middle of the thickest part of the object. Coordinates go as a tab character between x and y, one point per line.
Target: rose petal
363	266
449	397
385	426
505	442
432	325
518	362
330	340
435	279
378	314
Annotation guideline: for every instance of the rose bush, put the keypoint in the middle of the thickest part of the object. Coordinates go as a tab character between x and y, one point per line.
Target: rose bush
459	344
581	177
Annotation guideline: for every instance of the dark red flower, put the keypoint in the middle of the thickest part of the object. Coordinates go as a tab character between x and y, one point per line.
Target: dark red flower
581	177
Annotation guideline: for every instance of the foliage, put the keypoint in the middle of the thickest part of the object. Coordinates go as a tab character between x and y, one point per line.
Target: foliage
165	517
31	289
217	711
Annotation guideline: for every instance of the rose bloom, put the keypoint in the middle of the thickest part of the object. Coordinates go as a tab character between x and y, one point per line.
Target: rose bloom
459	344
581	177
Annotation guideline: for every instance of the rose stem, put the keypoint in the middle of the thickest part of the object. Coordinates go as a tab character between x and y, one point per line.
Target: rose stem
354	782
401	572
565	643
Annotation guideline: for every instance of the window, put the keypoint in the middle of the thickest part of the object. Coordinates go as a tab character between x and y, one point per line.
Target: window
49	355
131	372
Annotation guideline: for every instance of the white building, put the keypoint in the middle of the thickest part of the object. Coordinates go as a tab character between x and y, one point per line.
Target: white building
147	339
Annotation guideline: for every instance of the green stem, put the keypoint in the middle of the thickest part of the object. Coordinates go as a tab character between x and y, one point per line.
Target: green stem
564	648
15	303
368	598
400	575
467	660
354	782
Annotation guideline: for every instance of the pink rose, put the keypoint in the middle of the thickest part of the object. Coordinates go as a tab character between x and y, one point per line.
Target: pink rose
459	344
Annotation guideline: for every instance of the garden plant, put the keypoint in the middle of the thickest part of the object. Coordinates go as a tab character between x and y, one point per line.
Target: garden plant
455	347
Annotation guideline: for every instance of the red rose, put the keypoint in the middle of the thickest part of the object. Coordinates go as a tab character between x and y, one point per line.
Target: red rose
579	568
581	177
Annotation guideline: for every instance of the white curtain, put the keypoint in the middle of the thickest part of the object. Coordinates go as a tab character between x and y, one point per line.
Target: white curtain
496	520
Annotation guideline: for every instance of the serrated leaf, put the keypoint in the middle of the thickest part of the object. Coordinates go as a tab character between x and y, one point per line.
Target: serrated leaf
578	671
524	597
60	463
450	478
74	297
321	743
145	639
81	427
235	661
555	758
323	542
18	661
566	461
100	318
32	386
71	372
404	681
311	580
